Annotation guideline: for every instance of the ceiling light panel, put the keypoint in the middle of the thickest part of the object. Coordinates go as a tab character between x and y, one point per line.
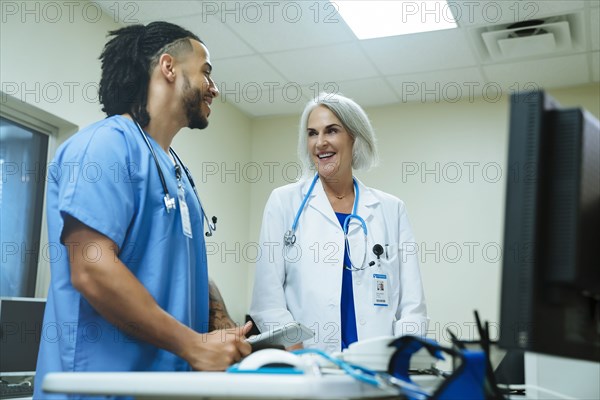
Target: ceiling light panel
375	19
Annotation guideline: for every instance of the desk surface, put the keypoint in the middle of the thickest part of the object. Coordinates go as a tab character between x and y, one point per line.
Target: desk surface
201	385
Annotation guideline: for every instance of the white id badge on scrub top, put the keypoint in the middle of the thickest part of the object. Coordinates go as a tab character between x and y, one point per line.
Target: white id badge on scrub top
185	213
380	290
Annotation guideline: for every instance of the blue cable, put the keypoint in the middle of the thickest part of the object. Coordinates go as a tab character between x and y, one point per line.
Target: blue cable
358	373
370	377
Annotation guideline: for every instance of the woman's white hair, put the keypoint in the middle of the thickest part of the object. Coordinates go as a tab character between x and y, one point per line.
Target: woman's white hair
356	123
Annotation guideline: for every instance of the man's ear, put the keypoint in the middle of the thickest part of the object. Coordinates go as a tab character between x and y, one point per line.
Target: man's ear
166	64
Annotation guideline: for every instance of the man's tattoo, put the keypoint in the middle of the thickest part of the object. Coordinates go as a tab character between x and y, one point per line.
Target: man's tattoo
218	317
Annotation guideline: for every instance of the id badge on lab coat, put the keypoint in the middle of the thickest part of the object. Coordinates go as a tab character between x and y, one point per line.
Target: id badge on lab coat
185	213
380	290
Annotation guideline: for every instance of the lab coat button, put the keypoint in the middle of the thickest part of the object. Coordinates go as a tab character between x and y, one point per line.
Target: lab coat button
358	281
362	321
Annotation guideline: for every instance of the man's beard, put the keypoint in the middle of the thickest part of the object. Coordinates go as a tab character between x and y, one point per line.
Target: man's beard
192	101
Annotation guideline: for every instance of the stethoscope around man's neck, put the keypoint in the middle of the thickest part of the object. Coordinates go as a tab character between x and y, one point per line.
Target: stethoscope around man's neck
168	200
289	238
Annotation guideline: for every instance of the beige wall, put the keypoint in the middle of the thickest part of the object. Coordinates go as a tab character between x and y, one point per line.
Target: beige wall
51	62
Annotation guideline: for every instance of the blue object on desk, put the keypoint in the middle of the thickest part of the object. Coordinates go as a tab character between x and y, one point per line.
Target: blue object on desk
466	382
406	347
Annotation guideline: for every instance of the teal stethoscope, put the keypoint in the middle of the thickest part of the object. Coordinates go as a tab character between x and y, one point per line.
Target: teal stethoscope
289	238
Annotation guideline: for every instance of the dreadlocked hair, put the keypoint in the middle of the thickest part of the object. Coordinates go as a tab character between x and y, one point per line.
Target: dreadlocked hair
128	60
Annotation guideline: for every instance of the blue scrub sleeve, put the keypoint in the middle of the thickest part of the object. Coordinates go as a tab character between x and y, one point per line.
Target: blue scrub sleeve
95	184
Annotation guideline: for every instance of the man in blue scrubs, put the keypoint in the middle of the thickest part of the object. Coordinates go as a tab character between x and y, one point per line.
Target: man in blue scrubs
129	288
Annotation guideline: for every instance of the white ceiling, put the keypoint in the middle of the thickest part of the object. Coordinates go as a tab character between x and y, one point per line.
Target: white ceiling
270	57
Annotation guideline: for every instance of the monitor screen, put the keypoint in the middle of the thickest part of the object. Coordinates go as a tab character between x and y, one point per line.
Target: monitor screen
21	321
550	275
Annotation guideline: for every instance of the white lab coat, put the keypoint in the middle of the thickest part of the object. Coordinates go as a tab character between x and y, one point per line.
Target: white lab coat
303	283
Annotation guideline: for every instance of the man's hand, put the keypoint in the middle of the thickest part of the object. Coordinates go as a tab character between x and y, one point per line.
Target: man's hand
215	351
297	346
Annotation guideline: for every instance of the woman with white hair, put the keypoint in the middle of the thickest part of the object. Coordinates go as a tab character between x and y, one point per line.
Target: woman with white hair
337	256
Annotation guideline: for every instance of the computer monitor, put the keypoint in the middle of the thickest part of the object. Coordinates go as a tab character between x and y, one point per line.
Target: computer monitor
551	263
21	321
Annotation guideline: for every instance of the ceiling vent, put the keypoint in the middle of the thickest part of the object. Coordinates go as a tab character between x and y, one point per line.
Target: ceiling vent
528	38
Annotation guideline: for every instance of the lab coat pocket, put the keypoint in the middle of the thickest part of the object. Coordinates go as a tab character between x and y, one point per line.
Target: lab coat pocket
389	257
390	265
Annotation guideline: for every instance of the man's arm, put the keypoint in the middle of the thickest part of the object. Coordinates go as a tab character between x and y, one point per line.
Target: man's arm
121	299
218	317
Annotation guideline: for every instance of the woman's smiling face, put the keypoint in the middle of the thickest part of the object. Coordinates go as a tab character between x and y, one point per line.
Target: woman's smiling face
329	143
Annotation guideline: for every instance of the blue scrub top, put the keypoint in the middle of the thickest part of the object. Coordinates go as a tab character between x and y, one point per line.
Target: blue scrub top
348	314
106	177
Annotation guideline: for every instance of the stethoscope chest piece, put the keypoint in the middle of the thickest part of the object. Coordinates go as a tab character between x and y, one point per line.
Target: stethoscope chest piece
289	238
169	203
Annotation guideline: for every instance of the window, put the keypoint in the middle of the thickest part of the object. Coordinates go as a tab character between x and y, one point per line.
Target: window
23	157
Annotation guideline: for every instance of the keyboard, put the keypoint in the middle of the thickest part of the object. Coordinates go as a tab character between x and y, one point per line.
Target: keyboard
12	391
